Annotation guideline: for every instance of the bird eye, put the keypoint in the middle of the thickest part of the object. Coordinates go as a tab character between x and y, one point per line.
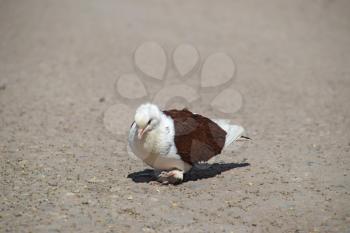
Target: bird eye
149	122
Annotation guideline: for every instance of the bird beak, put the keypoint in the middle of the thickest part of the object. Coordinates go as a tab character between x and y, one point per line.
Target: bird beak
141	132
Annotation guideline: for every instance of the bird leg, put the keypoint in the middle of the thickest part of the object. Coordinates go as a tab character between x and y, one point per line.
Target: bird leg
171	177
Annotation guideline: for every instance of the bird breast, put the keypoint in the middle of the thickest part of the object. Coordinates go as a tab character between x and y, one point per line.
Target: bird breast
152	144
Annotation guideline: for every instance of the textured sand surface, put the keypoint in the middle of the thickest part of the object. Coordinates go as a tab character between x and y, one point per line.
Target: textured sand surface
62	171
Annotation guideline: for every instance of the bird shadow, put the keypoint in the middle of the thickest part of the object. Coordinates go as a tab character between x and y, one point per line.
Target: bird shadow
198	172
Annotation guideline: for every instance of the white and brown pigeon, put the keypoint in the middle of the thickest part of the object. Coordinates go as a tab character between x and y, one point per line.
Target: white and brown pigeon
172	141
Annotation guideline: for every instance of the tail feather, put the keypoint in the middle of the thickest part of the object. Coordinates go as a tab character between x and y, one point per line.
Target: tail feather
245	137
233	131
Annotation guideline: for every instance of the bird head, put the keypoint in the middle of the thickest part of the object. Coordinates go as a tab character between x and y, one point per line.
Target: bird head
147	118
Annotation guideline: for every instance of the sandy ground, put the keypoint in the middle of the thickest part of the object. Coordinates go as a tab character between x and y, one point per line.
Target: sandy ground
62	171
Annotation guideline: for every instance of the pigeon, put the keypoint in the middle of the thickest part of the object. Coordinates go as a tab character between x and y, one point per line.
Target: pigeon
172	141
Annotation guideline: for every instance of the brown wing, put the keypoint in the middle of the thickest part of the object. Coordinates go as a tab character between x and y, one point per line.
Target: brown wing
197	138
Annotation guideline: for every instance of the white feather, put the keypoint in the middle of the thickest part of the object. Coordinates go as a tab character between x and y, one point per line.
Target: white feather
233	131
157	148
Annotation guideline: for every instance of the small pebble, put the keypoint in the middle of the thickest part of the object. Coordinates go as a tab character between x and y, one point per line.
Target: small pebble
2	87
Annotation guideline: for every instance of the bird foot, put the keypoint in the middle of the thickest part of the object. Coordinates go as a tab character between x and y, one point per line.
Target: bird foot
171	177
